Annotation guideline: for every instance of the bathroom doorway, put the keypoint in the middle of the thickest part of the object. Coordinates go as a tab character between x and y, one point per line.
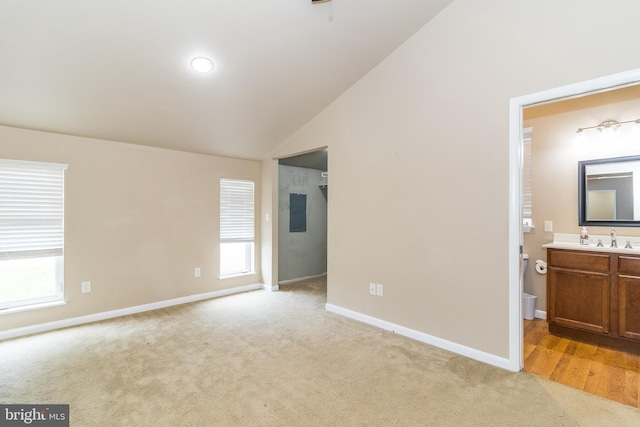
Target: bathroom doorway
554	117
516	107
555	149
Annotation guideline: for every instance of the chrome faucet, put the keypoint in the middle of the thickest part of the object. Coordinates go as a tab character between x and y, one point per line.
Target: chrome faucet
614	241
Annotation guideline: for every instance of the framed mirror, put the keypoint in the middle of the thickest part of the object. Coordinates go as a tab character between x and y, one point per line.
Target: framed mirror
609	192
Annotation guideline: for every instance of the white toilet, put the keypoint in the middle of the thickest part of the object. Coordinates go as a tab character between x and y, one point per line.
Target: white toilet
528	300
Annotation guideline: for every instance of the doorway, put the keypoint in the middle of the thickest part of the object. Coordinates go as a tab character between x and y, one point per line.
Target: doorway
302	216
548	100
516	106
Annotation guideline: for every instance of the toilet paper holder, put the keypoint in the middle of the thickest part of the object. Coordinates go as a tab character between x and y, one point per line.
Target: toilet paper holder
541	267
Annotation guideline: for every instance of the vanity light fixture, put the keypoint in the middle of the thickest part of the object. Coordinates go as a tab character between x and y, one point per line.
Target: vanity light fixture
608	126
202	64
635	131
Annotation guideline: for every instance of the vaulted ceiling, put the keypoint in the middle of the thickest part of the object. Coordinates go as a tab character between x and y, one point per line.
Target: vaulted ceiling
120	69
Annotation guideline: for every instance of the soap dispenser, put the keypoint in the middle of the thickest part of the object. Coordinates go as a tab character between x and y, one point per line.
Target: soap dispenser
584	237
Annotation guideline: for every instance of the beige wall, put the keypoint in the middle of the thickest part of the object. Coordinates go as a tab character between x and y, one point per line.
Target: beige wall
138	220
269	246
555	157
419	158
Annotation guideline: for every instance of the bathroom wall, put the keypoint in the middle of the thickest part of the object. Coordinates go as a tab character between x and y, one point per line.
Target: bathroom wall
302	254
555	157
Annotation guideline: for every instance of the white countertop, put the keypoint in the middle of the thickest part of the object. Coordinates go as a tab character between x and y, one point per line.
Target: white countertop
572	241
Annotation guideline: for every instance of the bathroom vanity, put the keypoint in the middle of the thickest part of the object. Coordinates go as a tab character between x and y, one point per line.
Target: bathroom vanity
593	295
593	282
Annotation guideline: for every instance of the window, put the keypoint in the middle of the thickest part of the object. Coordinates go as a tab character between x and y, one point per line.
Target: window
527	193
237	223
31	233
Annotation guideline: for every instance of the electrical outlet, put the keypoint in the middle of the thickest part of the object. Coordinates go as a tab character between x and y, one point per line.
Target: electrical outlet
548	226
372	288
196	272
379	290
86	287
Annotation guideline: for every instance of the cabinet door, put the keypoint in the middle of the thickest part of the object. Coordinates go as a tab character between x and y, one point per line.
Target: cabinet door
629	307
579	299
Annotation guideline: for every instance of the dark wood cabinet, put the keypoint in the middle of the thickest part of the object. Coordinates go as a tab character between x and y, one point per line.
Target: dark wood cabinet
579	299
594	297
629	297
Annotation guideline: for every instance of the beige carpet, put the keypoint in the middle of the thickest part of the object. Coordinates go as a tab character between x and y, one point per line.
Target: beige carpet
276	359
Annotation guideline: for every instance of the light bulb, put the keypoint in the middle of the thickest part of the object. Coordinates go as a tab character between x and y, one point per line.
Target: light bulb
202	64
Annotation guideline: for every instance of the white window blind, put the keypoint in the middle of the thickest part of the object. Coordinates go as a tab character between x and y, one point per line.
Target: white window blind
31	209
236	211
527	193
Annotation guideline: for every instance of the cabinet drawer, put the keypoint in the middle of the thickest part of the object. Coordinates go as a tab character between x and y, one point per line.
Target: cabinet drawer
629	265
579	260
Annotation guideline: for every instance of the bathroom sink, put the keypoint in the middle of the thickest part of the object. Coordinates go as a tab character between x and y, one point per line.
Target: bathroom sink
571	241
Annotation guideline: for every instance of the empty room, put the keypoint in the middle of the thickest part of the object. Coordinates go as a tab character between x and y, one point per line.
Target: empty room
299	212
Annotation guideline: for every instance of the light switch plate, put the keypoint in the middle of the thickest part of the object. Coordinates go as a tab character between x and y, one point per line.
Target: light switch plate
548	226
86	287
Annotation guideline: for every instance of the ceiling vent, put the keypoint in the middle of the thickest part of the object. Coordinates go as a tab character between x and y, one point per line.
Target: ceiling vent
319	1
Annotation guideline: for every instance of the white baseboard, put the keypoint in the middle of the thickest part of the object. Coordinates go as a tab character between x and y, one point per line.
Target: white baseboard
539	314
284	282
74	321
472	353
270	288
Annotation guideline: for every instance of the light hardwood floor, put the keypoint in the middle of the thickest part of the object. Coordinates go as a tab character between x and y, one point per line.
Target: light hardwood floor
607	373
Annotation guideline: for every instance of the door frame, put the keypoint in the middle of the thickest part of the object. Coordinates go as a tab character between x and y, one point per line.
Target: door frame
516	106
275	188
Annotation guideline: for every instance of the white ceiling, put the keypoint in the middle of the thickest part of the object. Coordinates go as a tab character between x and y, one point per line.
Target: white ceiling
119	69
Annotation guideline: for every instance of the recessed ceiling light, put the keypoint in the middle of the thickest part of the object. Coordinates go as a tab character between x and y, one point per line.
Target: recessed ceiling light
202	64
